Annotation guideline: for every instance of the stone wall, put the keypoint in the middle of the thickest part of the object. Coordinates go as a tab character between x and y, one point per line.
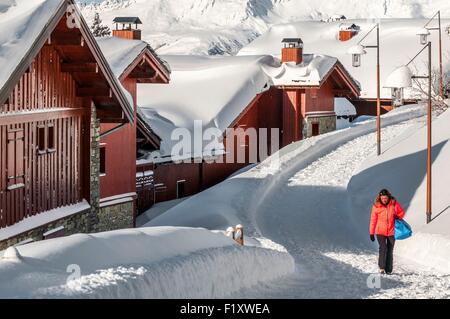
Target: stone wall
116	217
326	124
77	223
94	170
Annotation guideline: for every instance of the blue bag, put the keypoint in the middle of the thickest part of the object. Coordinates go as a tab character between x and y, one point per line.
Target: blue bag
402	229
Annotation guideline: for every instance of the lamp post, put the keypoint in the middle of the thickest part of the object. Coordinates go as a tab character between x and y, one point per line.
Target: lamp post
423	34
356	52
402	77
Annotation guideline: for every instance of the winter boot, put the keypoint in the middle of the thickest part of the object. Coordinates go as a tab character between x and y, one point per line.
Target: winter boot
382	271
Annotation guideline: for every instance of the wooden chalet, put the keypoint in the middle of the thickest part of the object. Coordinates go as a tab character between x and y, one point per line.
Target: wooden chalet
299	109
56	90
133	62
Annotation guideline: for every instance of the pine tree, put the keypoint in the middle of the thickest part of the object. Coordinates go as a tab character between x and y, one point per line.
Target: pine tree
99	30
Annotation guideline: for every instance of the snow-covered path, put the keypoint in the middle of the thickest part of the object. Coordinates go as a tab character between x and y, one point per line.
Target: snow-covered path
334	260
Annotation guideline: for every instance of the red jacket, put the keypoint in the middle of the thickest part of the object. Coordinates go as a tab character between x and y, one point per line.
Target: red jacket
382	219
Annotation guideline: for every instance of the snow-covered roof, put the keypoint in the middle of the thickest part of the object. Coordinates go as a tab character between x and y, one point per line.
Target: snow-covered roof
22	21
121	53
134	20
213	90
310	72
29	24
216	90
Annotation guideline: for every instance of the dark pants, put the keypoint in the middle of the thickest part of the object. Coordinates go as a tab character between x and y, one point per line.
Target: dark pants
386	252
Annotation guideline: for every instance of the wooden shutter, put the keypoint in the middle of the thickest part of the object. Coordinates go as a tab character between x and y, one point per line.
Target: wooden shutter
15	159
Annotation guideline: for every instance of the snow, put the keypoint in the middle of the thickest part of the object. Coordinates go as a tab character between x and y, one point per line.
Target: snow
310	72
227	203
399	78
402	169
231	82
342	107
398	44
41	219
423	31
223	27
52	231
120	53
303	204
357	49
160	262
24	21
156	210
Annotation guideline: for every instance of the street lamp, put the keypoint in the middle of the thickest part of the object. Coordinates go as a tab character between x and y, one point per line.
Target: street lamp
423	34
401	78
356	52
398	80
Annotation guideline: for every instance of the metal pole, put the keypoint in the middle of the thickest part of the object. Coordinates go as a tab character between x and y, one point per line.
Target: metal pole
378	93
440	57
429	141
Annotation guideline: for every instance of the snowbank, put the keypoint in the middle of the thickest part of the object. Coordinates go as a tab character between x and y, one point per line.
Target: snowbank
162	262
402	169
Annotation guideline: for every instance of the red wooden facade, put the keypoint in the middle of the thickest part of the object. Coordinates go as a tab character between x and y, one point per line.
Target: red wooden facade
45	121
119	176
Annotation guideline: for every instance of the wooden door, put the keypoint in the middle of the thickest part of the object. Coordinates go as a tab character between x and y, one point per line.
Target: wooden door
315	129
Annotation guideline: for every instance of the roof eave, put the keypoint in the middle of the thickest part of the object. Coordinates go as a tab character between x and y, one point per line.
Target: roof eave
35	48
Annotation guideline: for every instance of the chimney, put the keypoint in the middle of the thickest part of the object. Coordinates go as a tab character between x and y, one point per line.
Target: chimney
292	50
128	28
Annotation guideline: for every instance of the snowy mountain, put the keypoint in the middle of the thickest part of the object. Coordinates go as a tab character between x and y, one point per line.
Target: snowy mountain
224	26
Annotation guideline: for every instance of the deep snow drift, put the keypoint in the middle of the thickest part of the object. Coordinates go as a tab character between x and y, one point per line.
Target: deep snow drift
161	262
218	27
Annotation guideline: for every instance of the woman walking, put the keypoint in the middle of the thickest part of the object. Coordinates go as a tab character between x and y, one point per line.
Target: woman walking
382	224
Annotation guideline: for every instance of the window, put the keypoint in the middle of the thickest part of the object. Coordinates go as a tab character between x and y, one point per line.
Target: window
181	188
51	139
15	159
102	160
41	139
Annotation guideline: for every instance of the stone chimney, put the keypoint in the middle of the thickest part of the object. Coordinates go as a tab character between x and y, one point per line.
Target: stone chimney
292	50
128	28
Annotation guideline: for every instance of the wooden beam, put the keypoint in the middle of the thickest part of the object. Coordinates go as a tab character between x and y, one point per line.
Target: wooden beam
75	48
79	67
342	92
65	38
142	75
40	115
93	91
